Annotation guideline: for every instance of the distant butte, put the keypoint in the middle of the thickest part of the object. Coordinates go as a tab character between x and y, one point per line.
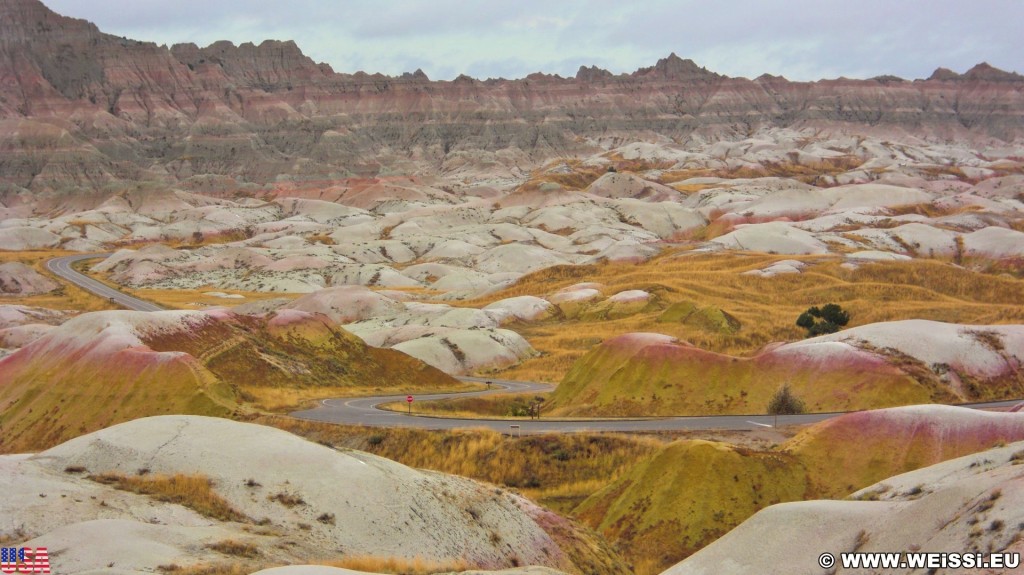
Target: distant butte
260	114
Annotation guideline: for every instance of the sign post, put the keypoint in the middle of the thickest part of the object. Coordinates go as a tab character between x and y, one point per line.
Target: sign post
408	400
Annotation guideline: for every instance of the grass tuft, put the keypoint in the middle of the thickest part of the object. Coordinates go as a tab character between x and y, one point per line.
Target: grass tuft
399	565
236	548
192	491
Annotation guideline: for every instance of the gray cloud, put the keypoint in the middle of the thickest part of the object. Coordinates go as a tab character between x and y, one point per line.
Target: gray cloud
800	39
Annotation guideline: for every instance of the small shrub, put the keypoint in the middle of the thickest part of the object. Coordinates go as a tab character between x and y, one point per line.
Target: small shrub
75	469
287	499
326	518
829	318
784	402
236	548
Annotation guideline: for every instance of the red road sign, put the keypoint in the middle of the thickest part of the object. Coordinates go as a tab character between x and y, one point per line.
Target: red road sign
408	398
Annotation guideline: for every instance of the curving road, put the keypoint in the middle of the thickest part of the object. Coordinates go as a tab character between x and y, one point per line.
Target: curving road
62	267
366	410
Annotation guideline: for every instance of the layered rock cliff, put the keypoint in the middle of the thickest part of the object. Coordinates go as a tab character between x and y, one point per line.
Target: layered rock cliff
84	114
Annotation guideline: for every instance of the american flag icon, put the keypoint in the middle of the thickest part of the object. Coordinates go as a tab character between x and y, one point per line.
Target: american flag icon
24	560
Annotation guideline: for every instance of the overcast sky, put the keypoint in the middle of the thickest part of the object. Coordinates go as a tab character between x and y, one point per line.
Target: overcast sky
798	39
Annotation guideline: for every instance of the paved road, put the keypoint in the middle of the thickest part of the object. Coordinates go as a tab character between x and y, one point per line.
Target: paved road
365	410
62	267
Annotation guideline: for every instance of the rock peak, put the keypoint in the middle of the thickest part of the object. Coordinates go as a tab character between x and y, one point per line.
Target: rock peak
985	71
943	74
419	76
585	74
675	68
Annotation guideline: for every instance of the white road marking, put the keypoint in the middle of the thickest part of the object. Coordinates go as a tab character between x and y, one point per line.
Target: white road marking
761	424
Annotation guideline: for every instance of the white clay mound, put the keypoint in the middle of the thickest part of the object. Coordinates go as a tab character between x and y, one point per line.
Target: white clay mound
370	499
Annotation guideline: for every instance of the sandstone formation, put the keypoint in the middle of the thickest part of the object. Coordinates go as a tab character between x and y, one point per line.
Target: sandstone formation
412	220
86	113
846	453
969	504
18	315
870	366
20	279
327	504
102	368
692	492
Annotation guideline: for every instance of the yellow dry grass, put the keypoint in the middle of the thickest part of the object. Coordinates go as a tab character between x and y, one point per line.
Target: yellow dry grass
283	399
192	491
579	177
804	171
198	298
183	298
559	471
687	495
398	565
766	307
556	470
235	548
67	297
498	406
211	569
690	188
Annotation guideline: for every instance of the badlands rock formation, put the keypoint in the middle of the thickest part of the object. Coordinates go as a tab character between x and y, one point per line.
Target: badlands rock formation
454	340
459	340
846	453
20	325
875	365
970	504
692	492
387	205
102	368
266	116
327	504
20	279
20	315
914	202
